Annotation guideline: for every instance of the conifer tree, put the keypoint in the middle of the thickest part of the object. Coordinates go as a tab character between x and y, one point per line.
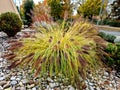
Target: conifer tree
28	6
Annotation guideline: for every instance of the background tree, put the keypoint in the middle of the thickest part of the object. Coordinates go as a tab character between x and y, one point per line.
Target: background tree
28	8
89	8
60	8
67	9
115	11
56	8
41	12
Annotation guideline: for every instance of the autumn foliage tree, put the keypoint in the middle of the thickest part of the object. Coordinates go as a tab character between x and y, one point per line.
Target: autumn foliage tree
67	9
56	8
89	8
41	12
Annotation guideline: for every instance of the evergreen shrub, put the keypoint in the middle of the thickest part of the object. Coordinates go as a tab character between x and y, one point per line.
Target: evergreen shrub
10	23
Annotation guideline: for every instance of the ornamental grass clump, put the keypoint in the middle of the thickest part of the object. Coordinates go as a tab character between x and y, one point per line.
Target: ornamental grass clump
57	51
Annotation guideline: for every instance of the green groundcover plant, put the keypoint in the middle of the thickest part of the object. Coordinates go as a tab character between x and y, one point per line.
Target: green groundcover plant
56	50
114	54
107	37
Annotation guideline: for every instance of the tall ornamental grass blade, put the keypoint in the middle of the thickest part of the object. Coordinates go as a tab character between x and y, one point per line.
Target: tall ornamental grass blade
56	51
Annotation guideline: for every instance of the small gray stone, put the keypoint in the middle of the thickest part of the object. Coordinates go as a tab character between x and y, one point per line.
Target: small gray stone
71	88
52	85
91	84
57	88
97	88
13	88
1	59
34	88
14	73
104	77
1	88
13	78
1	67
19	73
2	83
18	79
22	88
21	84
1	48
47	87
66	89
49	79
1	74
7	71
6	86
2	78
13	82
18	88
62	86
57	84
91	88
9	88
30	86
106	74
24	81
24	76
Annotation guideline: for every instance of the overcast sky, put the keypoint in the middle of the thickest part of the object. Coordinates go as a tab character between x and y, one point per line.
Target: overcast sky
18	2
36	1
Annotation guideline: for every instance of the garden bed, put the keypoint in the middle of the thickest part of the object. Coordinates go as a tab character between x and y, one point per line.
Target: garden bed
21	78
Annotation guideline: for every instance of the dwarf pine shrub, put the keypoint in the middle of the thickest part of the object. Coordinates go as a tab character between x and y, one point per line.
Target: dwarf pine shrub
10	23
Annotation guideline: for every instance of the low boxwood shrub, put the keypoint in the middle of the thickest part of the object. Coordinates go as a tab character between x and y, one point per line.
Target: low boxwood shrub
114	23
105	22
59	52
111	23
10	23
107	37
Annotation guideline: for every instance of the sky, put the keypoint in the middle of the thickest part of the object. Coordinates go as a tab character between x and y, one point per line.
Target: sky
36	1
18	2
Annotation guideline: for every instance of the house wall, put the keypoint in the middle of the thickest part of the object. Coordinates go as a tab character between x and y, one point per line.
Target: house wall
7	6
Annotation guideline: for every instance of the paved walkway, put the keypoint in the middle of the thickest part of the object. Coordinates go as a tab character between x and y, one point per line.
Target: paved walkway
105	27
